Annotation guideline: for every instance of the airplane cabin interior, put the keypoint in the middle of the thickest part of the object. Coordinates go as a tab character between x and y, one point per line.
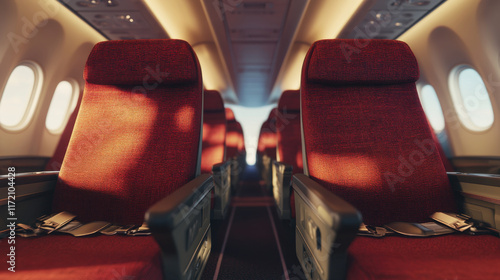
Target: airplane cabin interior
250	139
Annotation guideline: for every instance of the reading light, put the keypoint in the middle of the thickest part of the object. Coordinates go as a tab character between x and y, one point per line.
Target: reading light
383	16
111	3
398	24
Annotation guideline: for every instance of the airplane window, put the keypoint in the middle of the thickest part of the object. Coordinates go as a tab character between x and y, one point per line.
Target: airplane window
20	96
432	107
471	98
62	104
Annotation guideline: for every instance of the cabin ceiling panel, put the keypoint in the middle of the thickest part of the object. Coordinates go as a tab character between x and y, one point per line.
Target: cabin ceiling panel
117	19
388	19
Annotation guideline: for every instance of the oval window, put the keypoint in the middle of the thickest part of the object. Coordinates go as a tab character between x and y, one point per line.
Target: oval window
432	107
20	96
471	98
62	105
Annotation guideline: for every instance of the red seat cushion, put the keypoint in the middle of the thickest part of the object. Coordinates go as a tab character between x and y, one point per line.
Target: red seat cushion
214	131
97	257
136	139
444	257
369	141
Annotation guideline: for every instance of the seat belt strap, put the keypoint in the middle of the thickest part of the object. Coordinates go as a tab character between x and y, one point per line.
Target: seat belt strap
446	223
458	222
65	222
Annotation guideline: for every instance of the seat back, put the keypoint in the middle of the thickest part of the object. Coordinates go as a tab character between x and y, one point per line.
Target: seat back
234	135
55	162
365	134
267	137
289	141
137	137
214	131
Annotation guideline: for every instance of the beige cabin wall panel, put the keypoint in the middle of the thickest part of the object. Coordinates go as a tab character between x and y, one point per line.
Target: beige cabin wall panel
454	34
47	33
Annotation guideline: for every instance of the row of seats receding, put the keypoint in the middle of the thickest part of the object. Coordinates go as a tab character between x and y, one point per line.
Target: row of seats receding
135	155
357	131
359	120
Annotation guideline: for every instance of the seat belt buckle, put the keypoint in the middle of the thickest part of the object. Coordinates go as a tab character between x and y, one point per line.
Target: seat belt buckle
141	230
371	231
56	221
458	222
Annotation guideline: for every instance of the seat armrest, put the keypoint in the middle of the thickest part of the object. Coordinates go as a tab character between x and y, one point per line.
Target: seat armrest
222	186
32	194
180	224
480	195
23	163
325	227
476	164
282	180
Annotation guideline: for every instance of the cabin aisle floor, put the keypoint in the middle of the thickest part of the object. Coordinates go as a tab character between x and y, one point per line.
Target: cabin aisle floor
244	245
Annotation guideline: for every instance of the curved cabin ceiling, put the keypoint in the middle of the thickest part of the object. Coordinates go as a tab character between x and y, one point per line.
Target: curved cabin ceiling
251	50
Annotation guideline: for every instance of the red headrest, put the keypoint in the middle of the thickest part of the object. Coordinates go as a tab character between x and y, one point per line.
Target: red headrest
289	101
230	115
343	62
131	63
213	101
273	114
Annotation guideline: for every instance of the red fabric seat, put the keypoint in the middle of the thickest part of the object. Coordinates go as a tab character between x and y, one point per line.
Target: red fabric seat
267	137
289	147
214	131
135	141
234	136
367	140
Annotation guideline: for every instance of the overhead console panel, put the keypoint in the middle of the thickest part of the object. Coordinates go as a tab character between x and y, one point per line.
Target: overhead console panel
254	36
118	19
388	19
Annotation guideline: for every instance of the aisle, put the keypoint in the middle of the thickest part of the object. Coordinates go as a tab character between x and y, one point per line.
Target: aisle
246	245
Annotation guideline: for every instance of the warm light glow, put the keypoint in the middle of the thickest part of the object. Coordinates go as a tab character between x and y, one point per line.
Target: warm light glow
184	118
176	17
326	26
293	70
298	159
233	139
214	136
213	78
268	140
109	141
251	119
347	170
210	156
